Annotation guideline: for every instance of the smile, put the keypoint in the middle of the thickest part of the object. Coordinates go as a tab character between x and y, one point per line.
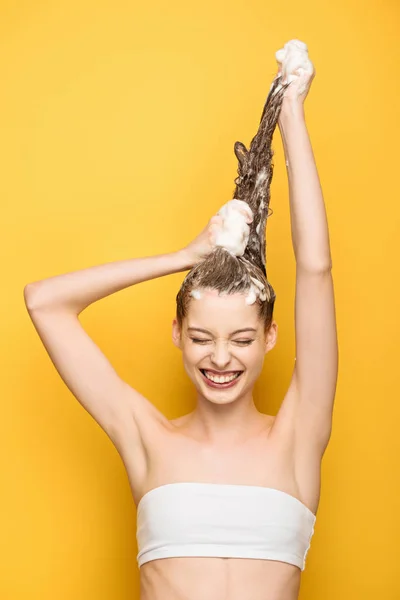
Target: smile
220	381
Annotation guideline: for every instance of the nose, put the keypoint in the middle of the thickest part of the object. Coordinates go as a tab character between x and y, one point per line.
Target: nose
220	357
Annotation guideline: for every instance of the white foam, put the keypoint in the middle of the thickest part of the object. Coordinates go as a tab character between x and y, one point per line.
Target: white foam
251	296
233	234
257	283
257	289
195	294
292	57
261	177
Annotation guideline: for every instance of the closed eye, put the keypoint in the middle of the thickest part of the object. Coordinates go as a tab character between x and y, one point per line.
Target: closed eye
240	342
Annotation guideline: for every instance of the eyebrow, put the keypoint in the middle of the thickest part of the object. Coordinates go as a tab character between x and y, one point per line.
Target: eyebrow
233	333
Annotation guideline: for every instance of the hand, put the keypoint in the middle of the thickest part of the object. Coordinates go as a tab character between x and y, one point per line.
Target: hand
204	243
298	90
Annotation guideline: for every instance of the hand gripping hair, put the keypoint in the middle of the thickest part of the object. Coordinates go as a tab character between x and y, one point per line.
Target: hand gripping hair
222	270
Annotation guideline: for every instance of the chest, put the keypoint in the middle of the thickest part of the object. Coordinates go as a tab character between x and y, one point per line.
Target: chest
258	461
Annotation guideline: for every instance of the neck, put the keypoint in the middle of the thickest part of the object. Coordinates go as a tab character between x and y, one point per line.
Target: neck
224	424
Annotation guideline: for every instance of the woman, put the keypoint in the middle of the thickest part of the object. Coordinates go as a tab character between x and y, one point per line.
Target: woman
227	496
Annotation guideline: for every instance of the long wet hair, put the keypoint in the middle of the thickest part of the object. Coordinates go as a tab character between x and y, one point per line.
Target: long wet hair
220	270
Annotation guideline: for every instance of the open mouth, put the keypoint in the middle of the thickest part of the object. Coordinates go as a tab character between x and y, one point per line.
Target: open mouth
220	382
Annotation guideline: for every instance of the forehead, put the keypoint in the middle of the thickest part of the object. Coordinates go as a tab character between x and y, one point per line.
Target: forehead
224	313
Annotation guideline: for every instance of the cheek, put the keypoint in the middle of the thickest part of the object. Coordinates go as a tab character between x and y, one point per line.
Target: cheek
192	356
193	353
255	358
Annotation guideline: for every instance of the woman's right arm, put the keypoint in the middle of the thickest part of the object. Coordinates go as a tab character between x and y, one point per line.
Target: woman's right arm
77	290
54	305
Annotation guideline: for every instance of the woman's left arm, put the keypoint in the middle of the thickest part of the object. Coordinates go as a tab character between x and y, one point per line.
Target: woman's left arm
316	368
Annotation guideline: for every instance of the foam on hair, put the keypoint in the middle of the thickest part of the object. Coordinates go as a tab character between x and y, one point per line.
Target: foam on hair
222	271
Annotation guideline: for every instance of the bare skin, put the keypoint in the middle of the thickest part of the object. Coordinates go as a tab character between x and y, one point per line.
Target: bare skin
265	458
226	439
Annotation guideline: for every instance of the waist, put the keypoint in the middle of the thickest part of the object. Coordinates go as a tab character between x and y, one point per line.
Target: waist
197	578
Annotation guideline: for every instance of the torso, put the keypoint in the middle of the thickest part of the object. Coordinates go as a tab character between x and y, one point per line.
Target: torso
172	455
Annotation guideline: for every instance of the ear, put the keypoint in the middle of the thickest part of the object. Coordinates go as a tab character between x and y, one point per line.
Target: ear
176	334
271	337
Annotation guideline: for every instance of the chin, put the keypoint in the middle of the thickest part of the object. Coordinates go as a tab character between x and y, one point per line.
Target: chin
220	399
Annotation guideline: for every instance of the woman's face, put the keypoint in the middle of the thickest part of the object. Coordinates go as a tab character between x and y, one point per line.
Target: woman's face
223	345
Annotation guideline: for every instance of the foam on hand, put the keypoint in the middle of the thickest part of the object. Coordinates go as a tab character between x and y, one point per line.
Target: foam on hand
233	234
293	57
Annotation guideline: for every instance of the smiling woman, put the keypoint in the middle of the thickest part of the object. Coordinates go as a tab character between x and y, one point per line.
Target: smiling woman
224	483
223	341
224	327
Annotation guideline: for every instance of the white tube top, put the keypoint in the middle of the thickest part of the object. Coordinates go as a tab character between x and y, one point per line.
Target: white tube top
223	520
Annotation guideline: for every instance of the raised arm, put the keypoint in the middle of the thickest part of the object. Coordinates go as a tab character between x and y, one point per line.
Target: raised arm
73	292
311	395
54	304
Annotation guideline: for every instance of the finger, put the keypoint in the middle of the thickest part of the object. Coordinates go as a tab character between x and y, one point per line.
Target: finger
212	234
249	219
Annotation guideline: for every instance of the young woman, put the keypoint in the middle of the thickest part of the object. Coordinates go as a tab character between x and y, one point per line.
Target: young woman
226	496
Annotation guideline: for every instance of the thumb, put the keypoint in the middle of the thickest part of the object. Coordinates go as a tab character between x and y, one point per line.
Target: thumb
249	219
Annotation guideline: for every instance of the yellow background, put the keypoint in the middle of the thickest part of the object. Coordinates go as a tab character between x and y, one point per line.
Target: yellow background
118	121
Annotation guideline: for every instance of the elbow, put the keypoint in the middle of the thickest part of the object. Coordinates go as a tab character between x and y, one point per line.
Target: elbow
29	293
314	267
313	257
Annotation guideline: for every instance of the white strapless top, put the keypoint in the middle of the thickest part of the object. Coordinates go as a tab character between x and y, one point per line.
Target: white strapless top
223	520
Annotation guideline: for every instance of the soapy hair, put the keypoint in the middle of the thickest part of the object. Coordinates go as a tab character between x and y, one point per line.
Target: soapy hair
220	270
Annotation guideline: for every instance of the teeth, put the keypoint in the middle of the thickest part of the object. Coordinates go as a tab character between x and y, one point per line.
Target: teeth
217	379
